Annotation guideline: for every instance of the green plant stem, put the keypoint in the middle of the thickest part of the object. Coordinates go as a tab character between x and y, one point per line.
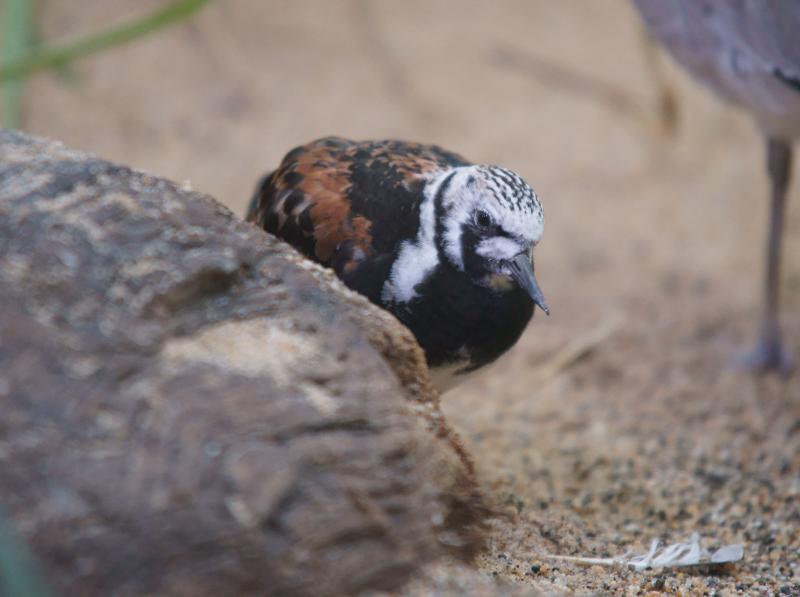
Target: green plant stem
60	55
17	36
19	575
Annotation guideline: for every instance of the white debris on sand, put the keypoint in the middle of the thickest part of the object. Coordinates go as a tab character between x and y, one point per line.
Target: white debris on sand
676	555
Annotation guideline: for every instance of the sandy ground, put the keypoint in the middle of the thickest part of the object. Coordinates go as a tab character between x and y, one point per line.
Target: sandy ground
652	253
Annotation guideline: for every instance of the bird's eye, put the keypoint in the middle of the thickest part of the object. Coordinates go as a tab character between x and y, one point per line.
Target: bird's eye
483	219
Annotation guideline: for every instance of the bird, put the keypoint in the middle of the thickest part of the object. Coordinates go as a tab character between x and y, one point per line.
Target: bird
748	53
443	244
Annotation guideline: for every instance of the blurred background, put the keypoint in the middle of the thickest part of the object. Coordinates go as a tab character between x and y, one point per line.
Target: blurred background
565	93
652	254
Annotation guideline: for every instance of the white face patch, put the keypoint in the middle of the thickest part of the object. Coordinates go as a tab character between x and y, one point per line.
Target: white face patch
506	198
499	248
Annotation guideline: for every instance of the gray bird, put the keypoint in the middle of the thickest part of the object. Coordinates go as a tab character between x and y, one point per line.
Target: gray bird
748	52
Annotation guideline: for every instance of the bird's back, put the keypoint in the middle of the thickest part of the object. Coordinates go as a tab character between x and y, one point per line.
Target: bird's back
748	51
334	191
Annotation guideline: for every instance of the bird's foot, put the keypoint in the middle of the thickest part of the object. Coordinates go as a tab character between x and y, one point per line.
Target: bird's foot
768	355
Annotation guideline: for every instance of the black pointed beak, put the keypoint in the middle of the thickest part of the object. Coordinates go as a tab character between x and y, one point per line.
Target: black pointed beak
521	268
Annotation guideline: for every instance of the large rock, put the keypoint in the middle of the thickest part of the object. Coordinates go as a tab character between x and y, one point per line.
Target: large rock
189	407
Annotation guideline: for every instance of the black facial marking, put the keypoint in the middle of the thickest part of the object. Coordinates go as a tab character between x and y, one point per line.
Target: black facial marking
439	215
476	267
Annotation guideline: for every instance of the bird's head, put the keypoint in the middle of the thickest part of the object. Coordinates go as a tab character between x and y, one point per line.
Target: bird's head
488	221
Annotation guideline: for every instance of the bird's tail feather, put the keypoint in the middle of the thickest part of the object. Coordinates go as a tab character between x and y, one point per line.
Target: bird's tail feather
255	202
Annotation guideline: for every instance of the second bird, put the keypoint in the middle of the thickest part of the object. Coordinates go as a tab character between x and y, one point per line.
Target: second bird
443	244
748	52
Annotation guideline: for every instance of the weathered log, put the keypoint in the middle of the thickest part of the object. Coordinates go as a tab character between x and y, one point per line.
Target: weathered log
189	407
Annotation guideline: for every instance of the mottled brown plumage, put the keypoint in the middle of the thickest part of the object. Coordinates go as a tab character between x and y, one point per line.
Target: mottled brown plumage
318	196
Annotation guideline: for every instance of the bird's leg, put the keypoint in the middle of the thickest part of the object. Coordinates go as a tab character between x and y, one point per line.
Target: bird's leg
770	353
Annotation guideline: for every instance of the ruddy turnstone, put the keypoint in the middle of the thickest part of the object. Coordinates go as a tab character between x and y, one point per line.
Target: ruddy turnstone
443	244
